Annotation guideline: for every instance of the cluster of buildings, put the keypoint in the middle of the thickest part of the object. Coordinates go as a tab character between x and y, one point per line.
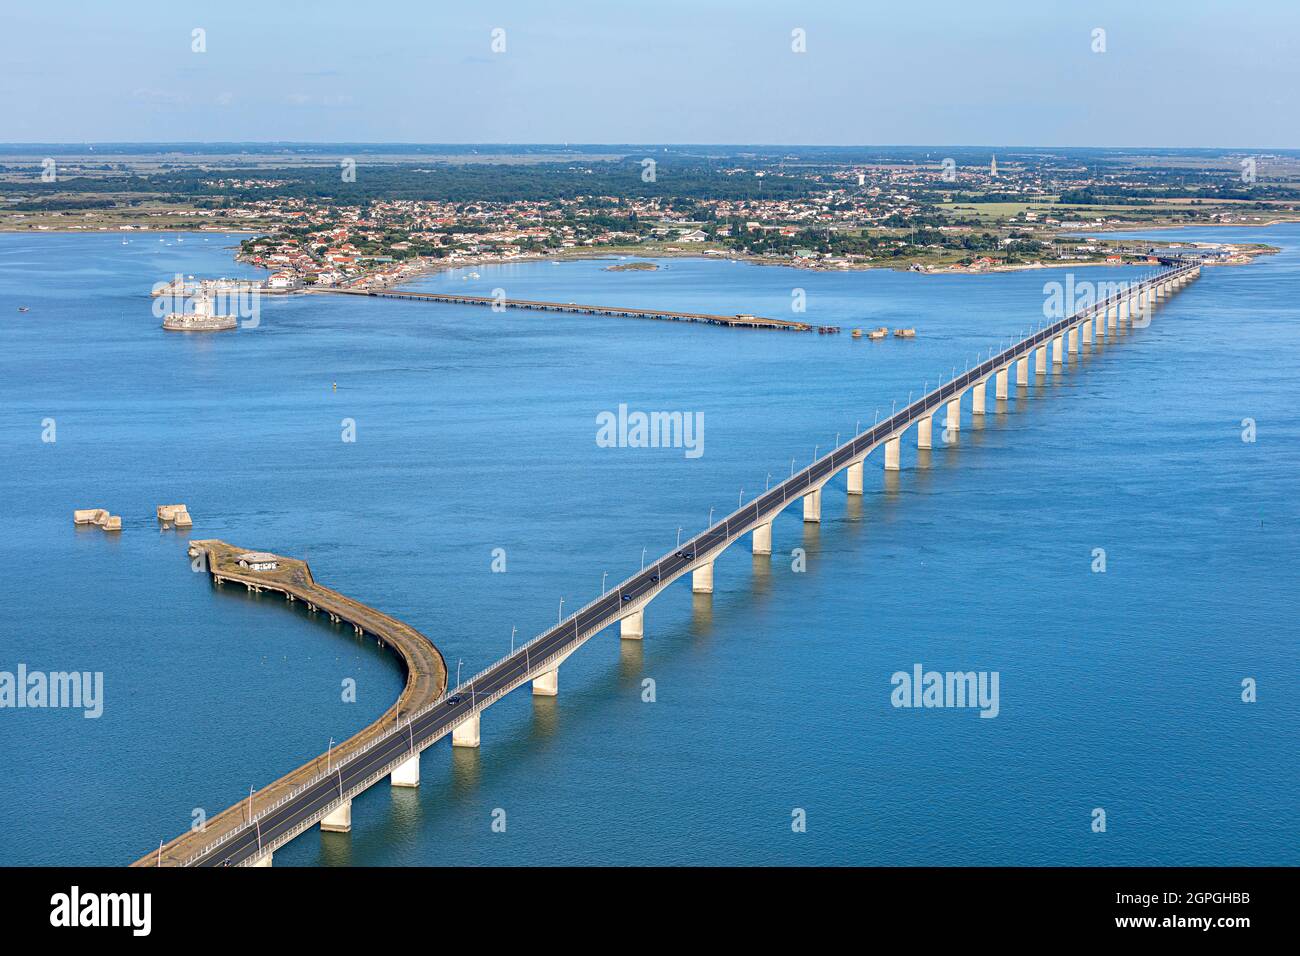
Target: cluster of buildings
837	218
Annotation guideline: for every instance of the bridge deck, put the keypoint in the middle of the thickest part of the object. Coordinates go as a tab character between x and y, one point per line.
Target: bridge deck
426	680
314	799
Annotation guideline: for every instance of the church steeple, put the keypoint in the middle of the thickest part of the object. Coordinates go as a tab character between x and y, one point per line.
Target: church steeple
993	166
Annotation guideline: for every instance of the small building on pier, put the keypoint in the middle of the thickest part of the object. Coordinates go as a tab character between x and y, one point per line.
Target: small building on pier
258	561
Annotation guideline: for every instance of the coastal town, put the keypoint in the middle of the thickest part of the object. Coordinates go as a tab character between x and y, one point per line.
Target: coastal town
925	214
853	224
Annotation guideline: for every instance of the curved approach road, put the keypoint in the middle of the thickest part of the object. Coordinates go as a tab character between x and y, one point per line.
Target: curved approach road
306	806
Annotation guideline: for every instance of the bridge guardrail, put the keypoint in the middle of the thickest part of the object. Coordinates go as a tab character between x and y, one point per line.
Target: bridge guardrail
858	446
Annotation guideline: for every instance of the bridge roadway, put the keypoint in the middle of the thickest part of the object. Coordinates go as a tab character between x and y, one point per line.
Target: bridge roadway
301	809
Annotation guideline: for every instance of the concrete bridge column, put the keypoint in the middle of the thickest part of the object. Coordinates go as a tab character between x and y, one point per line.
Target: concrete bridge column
547	684
1101	323
632	627
1112	317
1087	331
1000	384
1022	372
466	733
338	820
1123	310
1057	350
762	539
952	420
977	398
406	774
702	578
855	478
891	454
812	506
1073	340
923	428
1040	361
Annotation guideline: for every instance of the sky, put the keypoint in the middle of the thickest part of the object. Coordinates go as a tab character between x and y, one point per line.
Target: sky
927	72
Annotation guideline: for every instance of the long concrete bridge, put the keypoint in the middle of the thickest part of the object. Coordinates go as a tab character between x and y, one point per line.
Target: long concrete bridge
327	798
739	321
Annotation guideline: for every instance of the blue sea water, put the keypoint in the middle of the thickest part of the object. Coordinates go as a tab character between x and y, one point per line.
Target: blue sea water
476	431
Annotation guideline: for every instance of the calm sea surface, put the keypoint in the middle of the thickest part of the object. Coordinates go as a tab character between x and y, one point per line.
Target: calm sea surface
476	431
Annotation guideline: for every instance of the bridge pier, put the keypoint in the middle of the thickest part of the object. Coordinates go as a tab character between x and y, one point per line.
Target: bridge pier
1022	372
952	421
855	478
1112	317
338	820
1123	310
1000	385
1057	350
702	579
1101	322
762	539
891	454
977	398
547	685
632	627
466	733
1087	331
812	505
1073	341
1040	361
923	429
406	774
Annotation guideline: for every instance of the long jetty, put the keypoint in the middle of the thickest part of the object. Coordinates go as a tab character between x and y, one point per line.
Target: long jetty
741	320
426	682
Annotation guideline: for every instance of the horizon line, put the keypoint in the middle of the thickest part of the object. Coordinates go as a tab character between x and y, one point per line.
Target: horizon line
582	145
